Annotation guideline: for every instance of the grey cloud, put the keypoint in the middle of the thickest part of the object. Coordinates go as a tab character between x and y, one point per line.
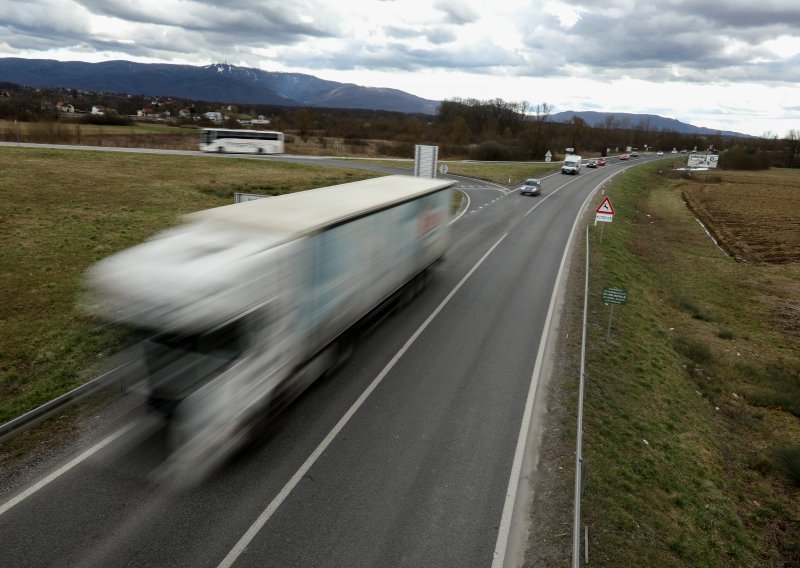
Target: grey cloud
612	39
45	17
436	35
33	42
738	14
401	32
652	41
457	12
280	22
400	57
439	36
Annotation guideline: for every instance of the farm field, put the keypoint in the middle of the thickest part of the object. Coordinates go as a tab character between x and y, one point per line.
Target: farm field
754	215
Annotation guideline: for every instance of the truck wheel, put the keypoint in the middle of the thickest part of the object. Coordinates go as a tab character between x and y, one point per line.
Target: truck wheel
424	279
343	352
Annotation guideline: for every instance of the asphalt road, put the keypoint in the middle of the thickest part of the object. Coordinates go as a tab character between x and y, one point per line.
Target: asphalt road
410	456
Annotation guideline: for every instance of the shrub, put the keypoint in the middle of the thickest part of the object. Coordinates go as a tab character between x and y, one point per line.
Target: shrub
693	349
107	119
693	309
789	459
726	333
491	151
744	158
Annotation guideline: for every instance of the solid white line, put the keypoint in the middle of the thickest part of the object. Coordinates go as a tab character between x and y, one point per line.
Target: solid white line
463	209
504	529
64	469
262	519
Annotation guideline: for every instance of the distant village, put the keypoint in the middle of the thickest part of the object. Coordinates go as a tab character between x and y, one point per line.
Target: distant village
105	107
162	110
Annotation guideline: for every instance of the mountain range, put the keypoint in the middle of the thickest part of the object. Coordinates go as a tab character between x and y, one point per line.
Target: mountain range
218	82
224	83
653	122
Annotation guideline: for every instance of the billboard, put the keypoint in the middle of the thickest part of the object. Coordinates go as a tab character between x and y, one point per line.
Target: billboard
702	160
425	158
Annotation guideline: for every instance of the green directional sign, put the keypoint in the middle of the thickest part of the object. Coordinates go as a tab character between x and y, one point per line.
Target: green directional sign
615	295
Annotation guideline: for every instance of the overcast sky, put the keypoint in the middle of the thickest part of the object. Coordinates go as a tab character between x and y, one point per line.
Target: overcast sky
730	65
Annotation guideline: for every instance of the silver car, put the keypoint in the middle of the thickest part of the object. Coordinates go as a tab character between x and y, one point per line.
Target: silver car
531	186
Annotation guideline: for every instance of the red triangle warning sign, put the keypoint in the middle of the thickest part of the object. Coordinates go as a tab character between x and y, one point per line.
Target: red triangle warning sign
605	207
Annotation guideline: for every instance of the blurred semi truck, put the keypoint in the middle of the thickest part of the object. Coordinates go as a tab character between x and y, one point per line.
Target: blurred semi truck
241	307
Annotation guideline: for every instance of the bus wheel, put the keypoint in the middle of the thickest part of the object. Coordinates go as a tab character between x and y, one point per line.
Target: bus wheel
220	148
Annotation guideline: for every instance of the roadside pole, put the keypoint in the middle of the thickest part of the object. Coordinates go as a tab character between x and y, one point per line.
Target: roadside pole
579	466
613	296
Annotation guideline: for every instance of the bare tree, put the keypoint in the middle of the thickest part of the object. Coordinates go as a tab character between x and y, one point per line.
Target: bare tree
606	134
535	135
793	146
577	131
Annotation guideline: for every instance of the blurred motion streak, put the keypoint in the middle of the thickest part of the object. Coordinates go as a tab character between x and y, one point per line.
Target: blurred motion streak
241	307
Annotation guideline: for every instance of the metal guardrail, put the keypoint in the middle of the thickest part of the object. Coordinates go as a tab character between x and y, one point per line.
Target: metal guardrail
579	463
33	417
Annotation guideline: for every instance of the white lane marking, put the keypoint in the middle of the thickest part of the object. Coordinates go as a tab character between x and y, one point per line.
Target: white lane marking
64	469
504	529
463	209
262	519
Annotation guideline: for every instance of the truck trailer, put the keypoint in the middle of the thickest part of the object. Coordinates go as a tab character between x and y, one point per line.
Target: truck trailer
241	307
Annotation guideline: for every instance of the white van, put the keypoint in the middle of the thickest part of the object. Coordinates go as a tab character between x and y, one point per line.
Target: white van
572	164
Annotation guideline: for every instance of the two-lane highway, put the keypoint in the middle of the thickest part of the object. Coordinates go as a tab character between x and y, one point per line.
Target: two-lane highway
410	456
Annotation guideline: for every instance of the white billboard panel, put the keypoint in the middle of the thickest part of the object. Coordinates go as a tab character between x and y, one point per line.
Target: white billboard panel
425	158
702	160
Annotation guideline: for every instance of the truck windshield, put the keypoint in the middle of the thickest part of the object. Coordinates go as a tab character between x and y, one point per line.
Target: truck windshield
177	364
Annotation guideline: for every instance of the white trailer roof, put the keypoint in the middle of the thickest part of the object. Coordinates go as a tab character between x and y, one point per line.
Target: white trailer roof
309	211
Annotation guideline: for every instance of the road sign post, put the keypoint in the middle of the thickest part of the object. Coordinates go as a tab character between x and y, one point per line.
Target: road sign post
604	213
613	296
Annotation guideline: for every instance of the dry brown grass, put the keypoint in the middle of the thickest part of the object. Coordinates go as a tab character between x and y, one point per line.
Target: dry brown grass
755	216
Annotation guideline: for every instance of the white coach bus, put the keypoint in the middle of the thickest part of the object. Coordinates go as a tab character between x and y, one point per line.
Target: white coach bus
242	141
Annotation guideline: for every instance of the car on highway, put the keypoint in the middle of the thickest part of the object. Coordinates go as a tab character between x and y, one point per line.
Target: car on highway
624	157
659	153
601	161
591	163
531	186
634	154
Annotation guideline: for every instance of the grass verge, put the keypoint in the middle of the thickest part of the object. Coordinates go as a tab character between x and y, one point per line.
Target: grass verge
692	435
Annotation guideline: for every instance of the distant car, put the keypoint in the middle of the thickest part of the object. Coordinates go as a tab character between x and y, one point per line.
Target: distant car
601	161
591	163
531	186
634	154
624	157
674	151
659	153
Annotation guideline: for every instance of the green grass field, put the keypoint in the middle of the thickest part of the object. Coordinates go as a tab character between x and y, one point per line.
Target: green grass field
692	418
62	211
499	172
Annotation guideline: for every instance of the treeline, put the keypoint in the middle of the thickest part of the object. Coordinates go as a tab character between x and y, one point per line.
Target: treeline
462	128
